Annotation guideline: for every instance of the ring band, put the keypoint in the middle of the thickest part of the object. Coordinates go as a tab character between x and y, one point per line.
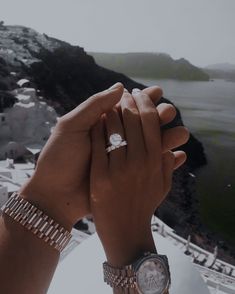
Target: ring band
112	147
116	142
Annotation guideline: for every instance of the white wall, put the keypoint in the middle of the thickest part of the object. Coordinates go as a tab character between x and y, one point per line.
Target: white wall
3	195
29	121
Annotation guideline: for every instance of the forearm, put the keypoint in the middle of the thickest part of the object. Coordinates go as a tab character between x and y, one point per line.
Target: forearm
124	249
27	263
128	249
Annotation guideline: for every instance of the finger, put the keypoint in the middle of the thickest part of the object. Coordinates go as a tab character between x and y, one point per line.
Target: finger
150	123
180	158
173	138
98	153
166	112
132	126
87	113
168	163
118	105
154	92
114	126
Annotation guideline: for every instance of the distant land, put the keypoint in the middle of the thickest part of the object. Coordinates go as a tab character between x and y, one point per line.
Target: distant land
224	71
150	65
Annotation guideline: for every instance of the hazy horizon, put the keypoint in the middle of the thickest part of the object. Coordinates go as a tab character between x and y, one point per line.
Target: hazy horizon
151	52
201	32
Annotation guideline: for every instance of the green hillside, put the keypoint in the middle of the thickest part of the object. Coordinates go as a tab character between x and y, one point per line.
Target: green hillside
150	65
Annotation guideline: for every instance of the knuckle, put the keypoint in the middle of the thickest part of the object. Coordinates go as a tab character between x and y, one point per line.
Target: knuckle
131	113
171	156
150	114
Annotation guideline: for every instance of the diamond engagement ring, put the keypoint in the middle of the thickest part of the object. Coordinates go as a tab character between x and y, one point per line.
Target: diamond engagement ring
116	142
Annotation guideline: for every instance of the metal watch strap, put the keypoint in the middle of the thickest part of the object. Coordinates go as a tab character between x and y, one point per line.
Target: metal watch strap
37	222
125	277
119	277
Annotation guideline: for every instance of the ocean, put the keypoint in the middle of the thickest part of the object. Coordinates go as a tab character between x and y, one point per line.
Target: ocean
208	110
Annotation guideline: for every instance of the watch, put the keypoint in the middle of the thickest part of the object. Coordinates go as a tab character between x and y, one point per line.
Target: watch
36	221
149	274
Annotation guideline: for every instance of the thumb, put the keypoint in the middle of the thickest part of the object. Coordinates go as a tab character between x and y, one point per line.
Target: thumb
85	115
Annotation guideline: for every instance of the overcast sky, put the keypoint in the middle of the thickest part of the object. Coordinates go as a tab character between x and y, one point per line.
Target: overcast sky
202	31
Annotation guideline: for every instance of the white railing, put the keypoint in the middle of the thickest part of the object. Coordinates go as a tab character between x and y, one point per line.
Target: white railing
216	276
196	252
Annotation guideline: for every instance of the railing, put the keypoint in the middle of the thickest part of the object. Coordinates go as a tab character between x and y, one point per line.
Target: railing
218	278
208	260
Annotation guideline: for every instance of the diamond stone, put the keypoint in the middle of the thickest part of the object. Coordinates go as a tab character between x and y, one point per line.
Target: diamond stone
115	139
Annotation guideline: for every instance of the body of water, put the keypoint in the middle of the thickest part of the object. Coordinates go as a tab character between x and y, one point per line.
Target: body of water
208	110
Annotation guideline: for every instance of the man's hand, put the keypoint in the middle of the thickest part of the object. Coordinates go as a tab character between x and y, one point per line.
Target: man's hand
60	184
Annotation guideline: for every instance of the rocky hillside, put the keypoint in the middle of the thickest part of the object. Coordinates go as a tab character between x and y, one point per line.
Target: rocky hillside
151	65
66	75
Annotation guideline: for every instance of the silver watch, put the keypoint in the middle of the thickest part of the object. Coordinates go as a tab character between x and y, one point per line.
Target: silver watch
149	274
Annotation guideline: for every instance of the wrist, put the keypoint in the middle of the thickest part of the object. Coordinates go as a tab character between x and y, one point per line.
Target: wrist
123	250
49	205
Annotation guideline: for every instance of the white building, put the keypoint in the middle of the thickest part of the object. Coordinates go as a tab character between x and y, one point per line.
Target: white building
3	194
29	121
14	178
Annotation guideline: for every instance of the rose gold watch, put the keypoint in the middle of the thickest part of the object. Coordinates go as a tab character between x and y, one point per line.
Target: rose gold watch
149	274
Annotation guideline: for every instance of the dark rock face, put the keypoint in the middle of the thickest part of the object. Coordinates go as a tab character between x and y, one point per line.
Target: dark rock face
6	100
68	76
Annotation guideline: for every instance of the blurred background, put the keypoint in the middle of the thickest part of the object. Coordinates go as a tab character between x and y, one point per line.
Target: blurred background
54	54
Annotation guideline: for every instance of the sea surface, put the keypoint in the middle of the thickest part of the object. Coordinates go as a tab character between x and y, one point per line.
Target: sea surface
208	110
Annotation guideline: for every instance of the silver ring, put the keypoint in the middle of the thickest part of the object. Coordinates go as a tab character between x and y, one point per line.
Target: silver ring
116	142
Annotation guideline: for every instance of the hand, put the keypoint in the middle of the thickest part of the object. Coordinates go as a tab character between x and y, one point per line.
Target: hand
129	183
60	184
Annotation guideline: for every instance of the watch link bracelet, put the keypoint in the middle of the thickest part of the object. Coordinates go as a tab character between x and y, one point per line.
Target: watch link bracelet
149	274
36	221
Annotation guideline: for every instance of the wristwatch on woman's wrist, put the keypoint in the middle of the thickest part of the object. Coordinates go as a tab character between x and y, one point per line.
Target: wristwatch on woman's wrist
149	274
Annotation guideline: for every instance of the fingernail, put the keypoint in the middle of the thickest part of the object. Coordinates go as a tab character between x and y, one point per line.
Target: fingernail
115	86
135	91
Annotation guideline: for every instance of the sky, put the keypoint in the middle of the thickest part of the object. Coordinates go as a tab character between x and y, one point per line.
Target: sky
202	31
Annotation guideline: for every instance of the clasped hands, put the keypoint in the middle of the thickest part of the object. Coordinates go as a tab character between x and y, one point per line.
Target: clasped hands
75	176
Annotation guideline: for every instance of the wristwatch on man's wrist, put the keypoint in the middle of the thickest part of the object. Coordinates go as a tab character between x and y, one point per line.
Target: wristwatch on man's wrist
36	221
149	274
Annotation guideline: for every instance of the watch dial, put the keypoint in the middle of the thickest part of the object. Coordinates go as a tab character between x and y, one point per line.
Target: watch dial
152	277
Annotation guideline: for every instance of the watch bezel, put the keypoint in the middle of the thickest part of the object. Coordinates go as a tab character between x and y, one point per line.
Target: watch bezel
154	257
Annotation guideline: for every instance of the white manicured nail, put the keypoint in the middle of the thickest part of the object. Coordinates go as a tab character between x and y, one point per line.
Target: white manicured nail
136	91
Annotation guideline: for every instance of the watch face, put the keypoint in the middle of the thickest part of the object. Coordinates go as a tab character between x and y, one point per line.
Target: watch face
152	276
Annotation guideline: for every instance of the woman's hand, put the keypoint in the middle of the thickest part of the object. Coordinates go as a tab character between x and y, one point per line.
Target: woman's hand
129	183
